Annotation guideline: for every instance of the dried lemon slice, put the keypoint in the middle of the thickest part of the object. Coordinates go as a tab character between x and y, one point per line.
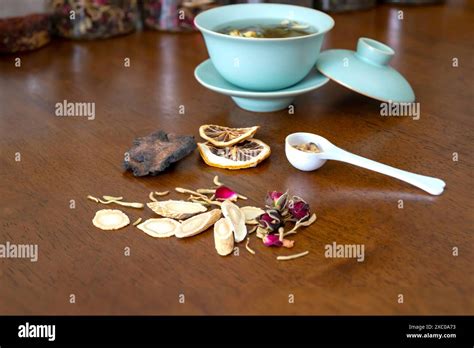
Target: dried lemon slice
224	136
110	219
244	155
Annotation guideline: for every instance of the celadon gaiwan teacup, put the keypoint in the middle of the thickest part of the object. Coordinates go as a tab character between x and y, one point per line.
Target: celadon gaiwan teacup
262	64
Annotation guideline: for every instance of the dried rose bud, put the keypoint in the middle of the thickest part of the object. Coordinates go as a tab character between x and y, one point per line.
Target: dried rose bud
271	220
276	200
272	197
298	208
272	240
223	193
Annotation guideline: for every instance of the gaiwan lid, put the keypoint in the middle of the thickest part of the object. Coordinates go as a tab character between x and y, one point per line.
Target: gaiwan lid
367	72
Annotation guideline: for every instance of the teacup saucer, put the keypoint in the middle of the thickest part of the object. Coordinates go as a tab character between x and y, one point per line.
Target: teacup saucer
208	76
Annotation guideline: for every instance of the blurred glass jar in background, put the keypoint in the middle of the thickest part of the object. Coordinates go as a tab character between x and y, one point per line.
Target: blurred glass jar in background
413	2
94	19
344	5
174	15
24	25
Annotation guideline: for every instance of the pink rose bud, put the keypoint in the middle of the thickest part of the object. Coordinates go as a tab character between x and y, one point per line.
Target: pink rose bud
271	220
272	240
276	200
225	193
298	208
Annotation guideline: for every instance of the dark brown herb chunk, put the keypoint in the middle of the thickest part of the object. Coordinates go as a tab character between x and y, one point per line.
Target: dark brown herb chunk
154	153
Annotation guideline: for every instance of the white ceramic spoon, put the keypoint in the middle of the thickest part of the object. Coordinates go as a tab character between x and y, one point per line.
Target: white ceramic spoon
308	161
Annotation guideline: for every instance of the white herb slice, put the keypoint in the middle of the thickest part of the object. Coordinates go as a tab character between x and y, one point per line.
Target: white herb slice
223	237
236	218
252	214
160	228
176	209
110	219
198	224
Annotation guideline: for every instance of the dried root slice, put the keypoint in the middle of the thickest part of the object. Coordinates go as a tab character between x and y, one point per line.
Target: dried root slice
204	201
129	204
137	222
160	228
200	202
152	197
110	219
236	218
176	209
291	257
252	222
217	182
223	237
261	232
252	214
116	200
198	224
164	193
125	204
183	190
206	191
92	198
299	224
112	198
249	249
252	230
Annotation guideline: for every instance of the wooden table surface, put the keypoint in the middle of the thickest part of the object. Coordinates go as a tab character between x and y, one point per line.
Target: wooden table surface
408	251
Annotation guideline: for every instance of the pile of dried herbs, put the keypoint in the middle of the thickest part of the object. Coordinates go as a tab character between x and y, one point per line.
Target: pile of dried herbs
94	19
187	218
281	209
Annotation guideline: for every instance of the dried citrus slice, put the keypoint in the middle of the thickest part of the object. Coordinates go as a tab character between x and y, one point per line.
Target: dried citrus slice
244	155
225	136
